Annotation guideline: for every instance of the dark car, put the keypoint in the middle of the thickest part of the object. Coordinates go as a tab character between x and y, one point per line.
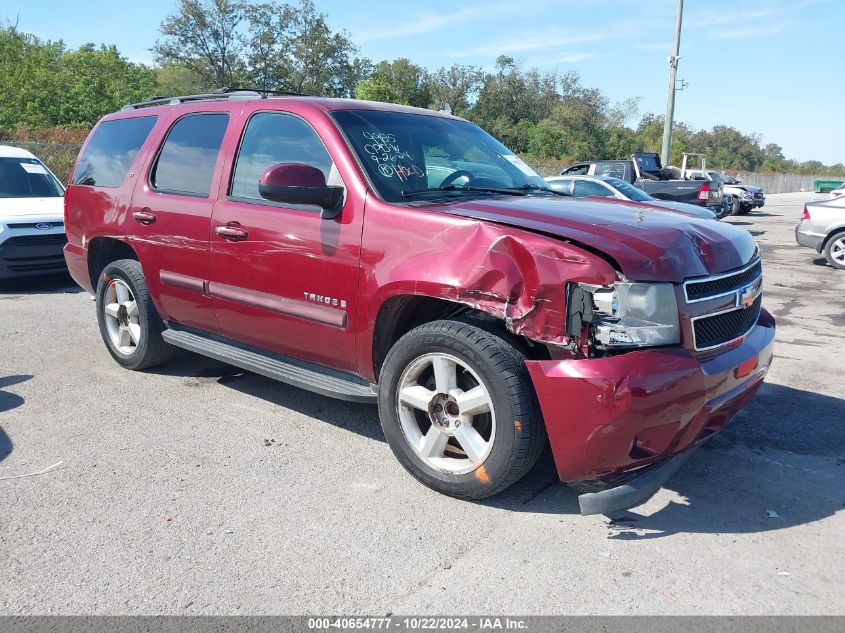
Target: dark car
308	240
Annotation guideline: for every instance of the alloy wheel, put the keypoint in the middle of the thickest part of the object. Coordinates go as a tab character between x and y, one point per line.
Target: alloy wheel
446	413
120	311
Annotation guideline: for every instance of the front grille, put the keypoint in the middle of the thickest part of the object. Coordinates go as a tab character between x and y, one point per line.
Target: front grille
718	329
758	195
723	284
35	240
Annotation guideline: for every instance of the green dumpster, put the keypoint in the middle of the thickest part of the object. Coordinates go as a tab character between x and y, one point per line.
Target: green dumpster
826	186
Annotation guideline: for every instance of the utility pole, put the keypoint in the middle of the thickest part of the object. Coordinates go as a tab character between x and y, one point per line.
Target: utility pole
666	153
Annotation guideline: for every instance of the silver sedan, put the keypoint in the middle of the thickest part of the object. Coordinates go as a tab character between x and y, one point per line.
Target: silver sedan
609	187
822	228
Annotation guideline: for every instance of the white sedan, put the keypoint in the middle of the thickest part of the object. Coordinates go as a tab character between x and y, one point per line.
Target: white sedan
839	191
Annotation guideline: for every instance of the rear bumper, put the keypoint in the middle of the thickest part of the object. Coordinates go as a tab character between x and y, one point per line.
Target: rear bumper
606	417
76	258
26	255
805	236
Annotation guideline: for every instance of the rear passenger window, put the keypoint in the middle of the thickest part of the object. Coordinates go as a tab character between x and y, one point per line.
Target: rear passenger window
272	138
186	162
110	153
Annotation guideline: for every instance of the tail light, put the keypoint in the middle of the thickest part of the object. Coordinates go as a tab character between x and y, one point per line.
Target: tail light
806	214
704	192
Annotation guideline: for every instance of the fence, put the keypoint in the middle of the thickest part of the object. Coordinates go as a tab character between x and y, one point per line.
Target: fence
783	183
59	157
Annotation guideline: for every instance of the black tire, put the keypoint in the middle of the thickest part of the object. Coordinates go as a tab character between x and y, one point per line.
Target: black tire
736	207
519	436
828	255
151	350
744	209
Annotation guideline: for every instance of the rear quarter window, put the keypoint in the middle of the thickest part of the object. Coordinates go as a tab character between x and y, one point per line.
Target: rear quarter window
111	151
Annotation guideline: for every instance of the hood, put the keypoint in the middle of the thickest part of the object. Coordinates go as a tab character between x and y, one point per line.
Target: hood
647	244
692	210
750	188
25	207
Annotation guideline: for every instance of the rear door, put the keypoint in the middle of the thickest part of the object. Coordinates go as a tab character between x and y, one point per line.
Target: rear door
171	211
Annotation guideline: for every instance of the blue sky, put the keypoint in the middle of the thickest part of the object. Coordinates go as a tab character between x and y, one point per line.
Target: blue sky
776	67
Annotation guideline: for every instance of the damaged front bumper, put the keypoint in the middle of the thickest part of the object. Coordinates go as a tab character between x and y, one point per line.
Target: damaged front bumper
607	417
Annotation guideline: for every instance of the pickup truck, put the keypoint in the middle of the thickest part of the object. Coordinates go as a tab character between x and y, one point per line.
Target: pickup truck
402	257
646	172
746	198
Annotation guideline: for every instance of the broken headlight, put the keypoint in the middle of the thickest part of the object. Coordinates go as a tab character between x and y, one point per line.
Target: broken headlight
625	314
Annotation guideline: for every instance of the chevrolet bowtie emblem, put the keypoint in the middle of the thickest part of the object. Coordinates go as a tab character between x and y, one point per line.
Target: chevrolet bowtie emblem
746	296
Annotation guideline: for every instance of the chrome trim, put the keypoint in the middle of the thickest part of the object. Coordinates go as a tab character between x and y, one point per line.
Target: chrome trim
738	271
713	314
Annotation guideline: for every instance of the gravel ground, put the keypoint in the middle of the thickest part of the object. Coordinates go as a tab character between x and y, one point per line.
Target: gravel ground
197	488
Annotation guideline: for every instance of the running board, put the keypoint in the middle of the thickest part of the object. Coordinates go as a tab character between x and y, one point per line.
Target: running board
322	380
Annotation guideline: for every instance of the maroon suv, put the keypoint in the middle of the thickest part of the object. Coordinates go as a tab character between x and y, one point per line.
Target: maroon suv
378	253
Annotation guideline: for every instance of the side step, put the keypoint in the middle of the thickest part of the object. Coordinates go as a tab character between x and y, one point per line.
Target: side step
322	380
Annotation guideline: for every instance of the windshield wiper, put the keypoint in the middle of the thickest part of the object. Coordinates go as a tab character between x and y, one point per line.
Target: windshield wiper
530	187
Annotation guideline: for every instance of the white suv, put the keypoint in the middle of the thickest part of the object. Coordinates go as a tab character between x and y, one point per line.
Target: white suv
32	230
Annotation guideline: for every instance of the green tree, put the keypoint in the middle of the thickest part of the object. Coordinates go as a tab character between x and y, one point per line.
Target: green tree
319	61
399	81
204	36
456	86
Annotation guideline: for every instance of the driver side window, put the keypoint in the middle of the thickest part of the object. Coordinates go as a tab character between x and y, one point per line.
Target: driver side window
271	138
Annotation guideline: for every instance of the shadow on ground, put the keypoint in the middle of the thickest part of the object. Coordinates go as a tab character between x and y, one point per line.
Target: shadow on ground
9	401
47	284
785	452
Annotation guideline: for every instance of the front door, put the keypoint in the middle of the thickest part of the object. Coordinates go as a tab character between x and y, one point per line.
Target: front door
283	278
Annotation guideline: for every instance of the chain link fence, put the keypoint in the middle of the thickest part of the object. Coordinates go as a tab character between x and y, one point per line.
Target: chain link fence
59	157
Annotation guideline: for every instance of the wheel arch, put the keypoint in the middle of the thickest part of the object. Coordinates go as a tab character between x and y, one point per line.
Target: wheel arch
399	314
104	250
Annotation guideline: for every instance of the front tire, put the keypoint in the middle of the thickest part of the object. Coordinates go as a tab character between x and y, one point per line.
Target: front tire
458	409
129	323
736	207
834	251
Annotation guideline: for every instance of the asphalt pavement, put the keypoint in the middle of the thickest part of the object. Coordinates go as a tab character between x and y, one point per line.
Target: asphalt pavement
198	488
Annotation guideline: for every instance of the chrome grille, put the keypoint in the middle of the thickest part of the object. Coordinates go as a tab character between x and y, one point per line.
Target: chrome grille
713	330
720	285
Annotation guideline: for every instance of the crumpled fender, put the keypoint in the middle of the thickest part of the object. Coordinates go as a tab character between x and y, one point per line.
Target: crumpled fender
513	274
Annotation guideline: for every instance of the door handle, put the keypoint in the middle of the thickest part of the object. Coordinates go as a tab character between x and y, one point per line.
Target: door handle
231	232
144	216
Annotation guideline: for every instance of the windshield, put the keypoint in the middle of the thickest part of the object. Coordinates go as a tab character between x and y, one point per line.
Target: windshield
27	178
628	190
406	153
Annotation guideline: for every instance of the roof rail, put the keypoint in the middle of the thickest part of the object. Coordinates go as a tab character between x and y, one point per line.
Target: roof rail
220	93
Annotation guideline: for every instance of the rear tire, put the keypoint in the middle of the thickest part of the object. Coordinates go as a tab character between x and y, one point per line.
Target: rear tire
834	250
129	323
458	409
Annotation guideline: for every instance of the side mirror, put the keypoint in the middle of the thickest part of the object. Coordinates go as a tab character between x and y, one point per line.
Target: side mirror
297	183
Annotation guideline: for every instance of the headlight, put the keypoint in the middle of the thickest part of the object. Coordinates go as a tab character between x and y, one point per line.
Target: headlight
629	314
746	195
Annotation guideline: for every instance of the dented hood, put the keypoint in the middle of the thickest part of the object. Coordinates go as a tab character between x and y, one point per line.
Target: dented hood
647	244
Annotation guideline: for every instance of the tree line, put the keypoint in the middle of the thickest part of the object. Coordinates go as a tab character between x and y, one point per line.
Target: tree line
207	44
